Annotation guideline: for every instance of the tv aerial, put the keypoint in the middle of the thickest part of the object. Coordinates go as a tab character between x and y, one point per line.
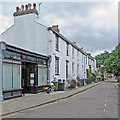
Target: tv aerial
39	8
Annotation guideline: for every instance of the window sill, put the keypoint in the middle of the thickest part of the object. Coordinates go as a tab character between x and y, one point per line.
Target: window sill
57	74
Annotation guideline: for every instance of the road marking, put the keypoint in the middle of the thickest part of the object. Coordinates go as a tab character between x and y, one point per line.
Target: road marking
9	115
108	91
105	105
106	98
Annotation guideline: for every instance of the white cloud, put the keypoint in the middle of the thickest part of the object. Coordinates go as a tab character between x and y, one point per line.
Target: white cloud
101	17
5	22
104	16
97	52
54	19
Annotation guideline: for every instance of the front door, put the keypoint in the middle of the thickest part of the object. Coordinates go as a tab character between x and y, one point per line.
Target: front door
29	76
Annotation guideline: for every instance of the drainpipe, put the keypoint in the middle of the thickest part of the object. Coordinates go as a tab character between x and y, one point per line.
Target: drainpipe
48	69
2	47
84	71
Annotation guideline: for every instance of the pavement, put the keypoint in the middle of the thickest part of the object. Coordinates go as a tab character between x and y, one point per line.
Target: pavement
35	100
100	101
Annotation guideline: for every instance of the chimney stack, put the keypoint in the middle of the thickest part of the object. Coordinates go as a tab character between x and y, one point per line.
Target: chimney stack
81	48
27	10
74	43
89	54
55	27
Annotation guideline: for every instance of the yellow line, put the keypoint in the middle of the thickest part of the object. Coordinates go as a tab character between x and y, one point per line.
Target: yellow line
9	115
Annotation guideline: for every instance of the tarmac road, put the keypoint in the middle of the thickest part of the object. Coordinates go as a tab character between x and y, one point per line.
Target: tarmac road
98	102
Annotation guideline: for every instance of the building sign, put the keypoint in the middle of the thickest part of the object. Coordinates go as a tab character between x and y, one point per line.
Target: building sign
29	58
33	59
16	56
11	55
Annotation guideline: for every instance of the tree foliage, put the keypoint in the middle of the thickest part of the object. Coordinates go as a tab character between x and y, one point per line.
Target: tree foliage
91	75
110	61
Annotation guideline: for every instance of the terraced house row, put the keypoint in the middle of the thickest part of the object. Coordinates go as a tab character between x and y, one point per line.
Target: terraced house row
32	54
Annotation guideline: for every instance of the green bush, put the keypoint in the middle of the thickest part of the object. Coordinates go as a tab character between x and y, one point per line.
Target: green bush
96	80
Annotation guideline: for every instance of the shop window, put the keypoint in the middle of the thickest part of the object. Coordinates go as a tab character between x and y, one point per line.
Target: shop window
16	76
7	76
42	75
11	76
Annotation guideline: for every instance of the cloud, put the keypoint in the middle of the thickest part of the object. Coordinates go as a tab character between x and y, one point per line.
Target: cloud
104	16
5	22
54	19
92	25
97	52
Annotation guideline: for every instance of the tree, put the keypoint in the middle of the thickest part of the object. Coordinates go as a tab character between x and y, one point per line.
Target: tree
111	61
101	58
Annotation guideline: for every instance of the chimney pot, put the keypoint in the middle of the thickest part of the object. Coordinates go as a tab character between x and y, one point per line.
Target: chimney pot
34	5
29	6
26	7
22	6
17	9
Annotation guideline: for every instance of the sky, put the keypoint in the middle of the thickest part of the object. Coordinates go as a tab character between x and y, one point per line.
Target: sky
93	25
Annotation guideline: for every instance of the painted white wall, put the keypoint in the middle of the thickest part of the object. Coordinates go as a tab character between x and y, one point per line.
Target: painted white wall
40	39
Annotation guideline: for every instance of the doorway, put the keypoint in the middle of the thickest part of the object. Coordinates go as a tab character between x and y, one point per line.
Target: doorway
29	76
